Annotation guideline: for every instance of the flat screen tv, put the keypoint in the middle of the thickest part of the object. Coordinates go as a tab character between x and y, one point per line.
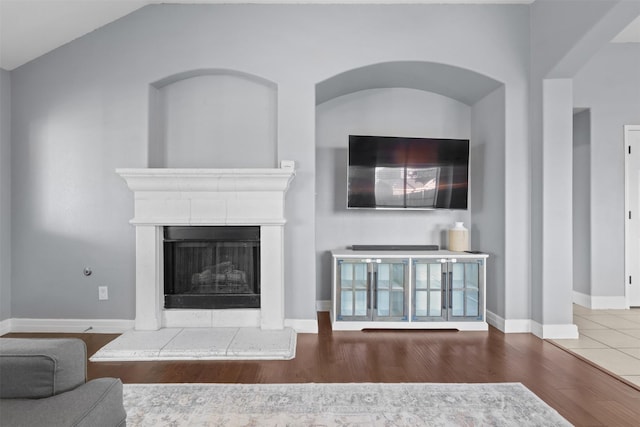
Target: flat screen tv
407	173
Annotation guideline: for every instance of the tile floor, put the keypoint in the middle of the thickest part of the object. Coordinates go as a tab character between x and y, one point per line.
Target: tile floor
609	338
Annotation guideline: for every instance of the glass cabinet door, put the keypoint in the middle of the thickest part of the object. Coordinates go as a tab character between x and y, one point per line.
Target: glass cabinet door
353	287
390	289
465	302
429	290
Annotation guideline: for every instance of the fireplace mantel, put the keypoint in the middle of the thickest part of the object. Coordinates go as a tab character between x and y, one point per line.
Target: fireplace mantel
213	197
209	196
165	179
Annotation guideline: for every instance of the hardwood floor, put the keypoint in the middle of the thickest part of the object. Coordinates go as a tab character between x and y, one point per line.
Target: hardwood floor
580	392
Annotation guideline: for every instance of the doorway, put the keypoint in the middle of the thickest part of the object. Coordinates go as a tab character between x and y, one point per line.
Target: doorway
632	213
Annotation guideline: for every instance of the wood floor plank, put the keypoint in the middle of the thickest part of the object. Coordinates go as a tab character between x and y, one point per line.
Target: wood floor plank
580	392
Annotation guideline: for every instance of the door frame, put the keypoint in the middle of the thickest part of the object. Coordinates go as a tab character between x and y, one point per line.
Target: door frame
627	207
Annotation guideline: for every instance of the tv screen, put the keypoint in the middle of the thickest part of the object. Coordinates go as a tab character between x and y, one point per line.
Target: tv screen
407	173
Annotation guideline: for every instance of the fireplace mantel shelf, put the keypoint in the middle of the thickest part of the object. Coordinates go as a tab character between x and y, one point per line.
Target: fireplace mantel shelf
223	180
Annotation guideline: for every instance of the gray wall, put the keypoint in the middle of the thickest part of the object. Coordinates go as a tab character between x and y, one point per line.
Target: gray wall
565	34
387	112
582	202
558	27
83	110
5	194
487	197
213	120
609	84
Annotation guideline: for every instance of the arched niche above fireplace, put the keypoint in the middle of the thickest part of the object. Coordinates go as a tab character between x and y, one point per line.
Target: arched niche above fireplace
212	118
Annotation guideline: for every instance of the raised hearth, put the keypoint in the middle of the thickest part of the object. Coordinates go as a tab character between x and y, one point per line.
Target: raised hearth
208	197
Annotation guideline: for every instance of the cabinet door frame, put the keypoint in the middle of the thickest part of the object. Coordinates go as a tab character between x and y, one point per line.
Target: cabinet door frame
372	268
431	292
466	290
351	262
446	267
376	288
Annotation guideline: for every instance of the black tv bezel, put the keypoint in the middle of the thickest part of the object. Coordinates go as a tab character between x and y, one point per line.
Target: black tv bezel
412	208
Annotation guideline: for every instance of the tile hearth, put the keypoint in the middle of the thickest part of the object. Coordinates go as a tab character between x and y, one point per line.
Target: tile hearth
200	344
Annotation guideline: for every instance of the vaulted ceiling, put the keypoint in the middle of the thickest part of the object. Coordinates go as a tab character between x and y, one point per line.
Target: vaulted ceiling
31	28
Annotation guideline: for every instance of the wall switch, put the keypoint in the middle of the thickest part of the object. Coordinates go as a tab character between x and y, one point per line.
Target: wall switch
103	293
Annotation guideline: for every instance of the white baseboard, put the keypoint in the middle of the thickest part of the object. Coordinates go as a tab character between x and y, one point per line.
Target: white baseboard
110	326
600	303
555	332
581	299
495	321
302	326
509	326
515	326
323	305
5	326
97	326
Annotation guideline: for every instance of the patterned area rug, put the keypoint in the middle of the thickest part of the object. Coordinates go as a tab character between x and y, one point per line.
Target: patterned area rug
410	404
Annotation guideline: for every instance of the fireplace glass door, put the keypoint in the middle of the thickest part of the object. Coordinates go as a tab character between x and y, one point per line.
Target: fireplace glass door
212	267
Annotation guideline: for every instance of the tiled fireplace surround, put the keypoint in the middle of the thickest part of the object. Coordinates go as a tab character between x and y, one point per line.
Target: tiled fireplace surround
213	197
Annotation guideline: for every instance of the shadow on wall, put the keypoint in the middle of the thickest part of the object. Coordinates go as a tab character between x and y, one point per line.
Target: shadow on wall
453	82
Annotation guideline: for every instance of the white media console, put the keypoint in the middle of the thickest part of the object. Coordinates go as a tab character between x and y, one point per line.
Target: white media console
408	289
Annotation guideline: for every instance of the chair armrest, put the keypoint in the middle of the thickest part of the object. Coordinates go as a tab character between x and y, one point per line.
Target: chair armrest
41	367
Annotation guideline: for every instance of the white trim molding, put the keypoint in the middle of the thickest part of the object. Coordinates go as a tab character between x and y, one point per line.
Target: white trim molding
630	241
581	299
95	326
302	326
111	326
5	326
600	302
495	320
514	326
555	332
323	305
509	326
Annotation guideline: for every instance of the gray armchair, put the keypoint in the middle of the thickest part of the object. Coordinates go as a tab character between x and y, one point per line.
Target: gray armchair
43	383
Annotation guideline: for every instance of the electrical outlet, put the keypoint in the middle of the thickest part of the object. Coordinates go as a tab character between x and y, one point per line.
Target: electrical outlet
103	293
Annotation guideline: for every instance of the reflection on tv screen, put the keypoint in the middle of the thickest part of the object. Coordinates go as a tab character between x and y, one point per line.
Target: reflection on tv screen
407	173
410	187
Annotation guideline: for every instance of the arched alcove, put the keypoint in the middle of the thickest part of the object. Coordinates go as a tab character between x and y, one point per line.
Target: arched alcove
212	119
414	99
461	84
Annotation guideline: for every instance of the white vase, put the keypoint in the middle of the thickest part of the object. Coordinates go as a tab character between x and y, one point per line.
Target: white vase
458	238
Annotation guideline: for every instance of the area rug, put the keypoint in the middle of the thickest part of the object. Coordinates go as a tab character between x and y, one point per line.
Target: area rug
363	404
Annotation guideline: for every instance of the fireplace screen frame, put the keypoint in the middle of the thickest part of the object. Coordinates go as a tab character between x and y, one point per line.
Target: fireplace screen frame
247	237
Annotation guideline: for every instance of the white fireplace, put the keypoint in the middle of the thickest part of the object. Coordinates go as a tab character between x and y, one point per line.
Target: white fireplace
208	197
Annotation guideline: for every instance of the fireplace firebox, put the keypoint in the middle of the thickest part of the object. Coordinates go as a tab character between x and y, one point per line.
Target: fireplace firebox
214	267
